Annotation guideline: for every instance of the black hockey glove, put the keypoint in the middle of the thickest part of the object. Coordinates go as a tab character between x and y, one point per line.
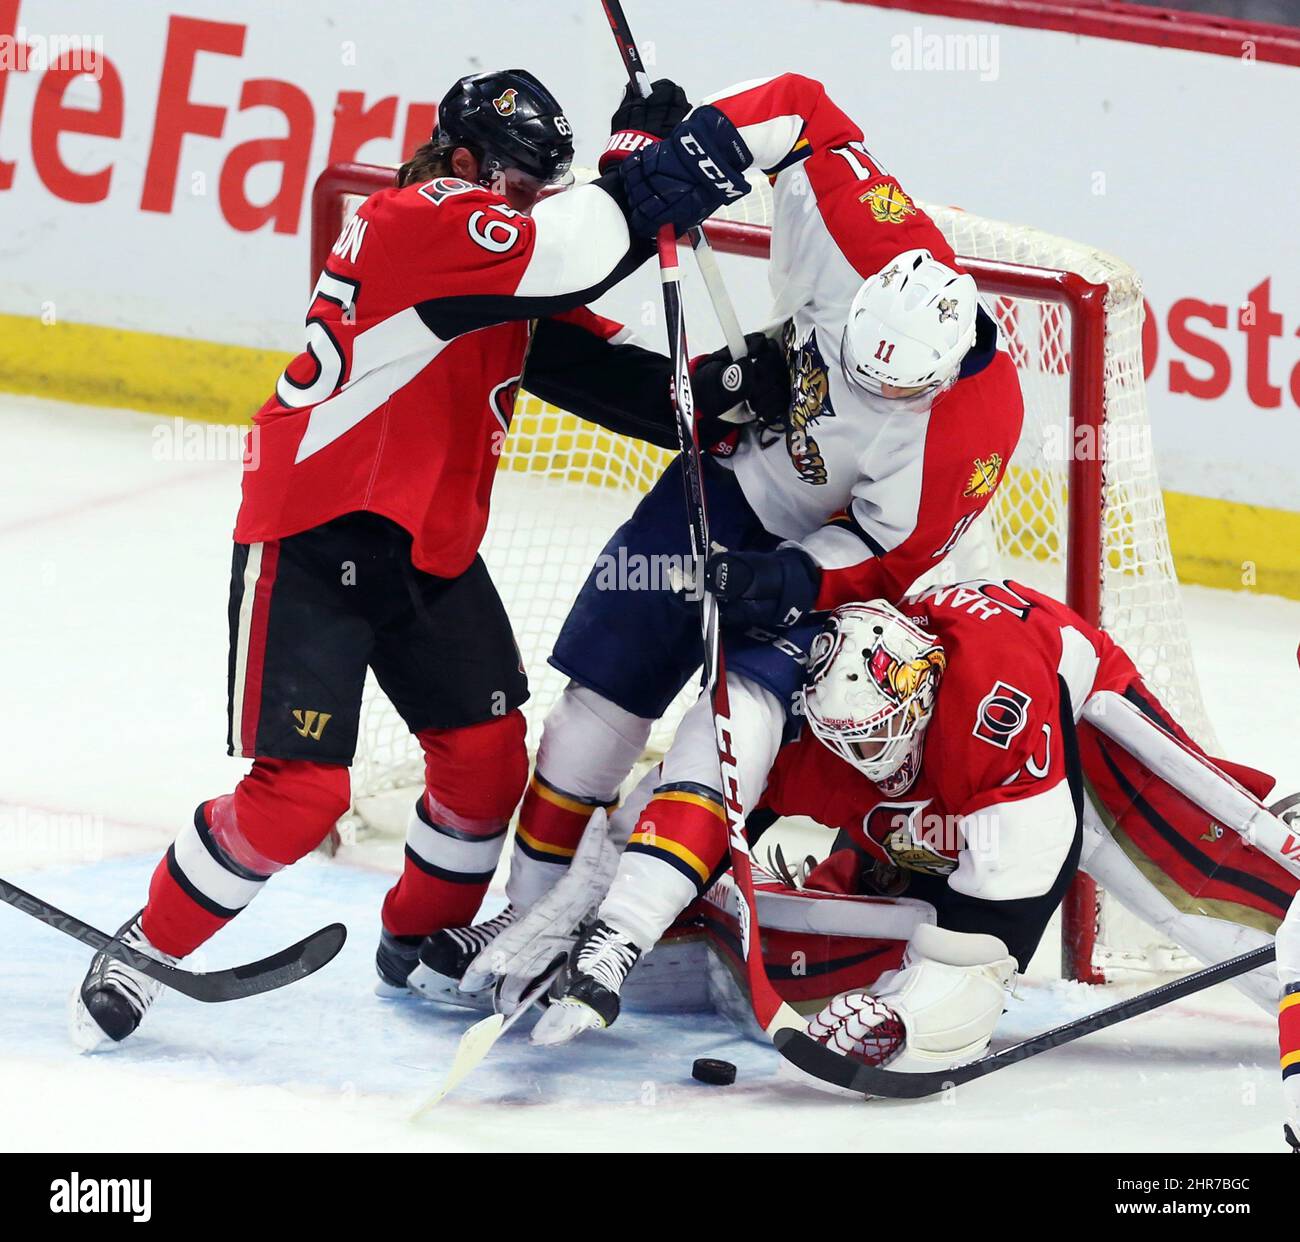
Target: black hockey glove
685	178
760	378
658	115
772	589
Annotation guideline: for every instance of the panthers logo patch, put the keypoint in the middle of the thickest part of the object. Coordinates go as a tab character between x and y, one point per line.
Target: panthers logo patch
810	401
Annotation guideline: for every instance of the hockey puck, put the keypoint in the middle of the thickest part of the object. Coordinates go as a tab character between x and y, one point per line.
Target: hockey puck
716	1073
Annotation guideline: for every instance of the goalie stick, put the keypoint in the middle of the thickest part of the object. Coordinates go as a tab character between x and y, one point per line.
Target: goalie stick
873	1080
774	1015
277	971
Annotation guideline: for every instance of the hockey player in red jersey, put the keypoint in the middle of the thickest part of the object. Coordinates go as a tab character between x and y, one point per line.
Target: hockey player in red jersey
366	499
900	416
974	749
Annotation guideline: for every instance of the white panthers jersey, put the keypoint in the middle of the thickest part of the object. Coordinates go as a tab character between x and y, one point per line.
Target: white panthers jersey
874	490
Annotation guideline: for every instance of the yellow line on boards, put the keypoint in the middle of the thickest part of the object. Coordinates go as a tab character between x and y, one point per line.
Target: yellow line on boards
1216	543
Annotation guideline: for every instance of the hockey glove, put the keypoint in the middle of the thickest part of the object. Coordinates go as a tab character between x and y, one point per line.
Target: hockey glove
773	589
684	179
760	378
639	122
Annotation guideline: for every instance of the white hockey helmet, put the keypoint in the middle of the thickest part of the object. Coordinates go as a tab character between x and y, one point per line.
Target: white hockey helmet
872	679
910	326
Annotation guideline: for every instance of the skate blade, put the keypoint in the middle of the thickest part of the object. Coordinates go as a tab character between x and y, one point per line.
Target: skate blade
429	985
565	1020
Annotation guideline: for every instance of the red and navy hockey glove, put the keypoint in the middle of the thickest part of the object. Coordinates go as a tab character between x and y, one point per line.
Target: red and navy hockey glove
684	179
639	122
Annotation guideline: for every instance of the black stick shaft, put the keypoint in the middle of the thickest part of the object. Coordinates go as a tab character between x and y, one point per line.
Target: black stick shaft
871	1080
289	965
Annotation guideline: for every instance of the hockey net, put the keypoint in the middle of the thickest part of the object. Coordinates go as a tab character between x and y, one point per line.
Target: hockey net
1079	512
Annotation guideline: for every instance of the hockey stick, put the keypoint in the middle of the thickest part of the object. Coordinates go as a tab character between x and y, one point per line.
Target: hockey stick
478	1041
871	1080
774	1014
704	256
277	971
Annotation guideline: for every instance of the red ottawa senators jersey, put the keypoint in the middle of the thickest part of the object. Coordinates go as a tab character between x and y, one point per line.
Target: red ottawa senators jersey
417	334
992	807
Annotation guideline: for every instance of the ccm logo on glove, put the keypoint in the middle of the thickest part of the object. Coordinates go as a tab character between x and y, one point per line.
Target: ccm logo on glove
763	588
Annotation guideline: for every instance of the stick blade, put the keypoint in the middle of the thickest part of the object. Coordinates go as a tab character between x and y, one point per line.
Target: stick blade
276	971
474	1045
301	959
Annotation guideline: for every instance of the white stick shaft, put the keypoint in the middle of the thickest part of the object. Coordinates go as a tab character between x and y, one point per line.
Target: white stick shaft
723	307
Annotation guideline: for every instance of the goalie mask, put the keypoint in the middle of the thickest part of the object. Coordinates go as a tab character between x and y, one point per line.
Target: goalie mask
872	679
910	326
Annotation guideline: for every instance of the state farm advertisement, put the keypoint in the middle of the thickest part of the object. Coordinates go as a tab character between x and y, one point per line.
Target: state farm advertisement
156	162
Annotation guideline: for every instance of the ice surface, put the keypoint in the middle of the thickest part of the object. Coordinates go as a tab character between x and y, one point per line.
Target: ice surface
116	560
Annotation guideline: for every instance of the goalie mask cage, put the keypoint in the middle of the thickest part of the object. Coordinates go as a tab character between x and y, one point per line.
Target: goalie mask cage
1078	514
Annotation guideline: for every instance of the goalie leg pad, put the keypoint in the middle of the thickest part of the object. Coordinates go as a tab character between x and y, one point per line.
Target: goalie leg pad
1208	939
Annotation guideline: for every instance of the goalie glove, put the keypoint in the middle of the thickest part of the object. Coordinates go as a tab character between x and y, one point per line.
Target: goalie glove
523	953
938	1011
639	122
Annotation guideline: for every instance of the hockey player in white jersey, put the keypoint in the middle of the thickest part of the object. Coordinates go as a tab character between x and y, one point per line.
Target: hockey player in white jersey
898	419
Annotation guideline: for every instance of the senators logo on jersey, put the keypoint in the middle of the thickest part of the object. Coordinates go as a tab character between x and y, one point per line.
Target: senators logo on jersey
1003	713
909	838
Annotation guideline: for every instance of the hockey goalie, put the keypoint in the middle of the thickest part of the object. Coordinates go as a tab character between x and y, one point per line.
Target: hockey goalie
973	748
